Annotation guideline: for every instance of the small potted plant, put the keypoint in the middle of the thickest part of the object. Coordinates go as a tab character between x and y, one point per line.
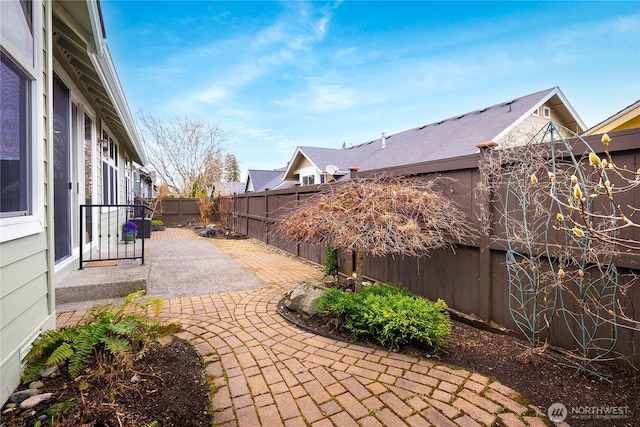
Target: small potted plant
129	231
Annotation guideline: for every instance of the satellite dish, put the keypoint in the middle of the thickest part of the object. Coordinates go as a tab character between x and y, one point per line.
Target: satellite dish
331	169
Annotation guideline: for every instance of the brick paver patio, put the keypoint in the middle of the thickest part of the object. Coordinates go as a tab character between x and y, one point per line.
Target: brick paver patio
271	373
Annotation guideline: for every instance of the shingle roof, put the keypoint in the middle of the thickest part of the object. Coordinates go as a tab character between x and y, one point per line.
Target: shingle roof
452	137
262	179
342	158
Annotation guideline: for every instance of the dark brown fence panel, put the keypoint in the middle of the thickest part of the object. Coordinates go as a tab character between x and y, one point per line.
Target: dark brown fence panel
174	211
474	278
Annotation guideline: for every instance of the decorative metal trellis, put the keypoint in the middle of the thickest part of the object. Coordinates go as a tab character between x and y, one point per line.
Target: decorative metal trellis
561	280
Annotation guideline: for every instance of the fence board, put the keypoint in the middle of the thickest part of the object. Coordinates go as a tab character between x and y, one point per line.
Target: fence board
474	278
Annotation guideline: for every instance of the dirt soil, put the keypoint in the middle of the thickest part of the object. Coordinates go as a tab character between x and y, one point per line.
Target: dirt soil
538	377
168	387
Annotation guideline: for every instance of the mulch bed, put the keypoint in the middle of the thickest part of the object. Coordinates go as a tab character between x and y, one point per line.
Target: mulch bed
169	388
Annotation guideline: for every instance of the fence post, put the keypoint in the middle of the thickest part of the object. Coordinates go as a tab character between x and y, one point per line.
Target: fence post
485	273
266	218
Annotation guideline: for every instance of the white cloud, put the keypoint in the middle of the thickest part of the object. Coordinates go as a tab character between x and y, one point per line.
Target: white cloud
211	95
322	98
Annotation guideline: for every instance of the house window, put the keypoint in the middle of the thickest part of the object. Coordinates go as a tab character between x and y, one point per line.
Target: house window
15	159
308	180
109	170
546	112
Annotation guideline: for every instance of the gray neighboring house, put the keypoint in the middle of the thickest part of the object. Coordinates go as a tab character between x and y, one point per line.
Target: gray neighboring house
507	124
263	180
67	138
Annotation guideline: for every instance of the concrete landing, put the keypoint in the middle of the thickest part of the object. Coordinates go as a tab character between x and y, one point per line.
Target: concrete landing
178	263
99	283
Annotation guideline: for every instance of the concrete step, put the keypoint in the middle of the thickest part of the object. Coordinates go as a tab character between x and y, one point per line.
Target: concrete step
102	283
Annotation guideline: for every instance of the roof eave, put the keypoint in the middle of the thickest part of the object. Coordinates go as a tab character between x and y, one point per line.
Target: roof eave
553	92
288	174
101	58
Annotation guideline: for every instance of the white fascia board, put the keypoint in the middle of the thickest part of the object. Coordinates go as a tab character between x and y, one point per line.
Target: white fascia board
311	161
520	119
291	162
569	108
555	91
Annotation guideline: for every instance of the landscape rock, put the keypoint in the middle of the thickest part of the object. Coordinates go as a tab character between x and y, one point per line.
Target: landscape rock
303	298
35	400
51	371
21	395
36	384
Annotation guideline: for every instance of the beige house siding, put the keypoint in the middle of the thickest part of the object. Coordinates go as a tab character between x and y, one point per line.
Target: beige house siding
530	126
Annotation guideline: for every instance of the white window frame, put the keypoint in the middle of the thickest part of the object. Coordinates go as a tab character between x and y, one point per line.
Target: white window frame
546	112
128	171
94	165
109	156
30	63
307	178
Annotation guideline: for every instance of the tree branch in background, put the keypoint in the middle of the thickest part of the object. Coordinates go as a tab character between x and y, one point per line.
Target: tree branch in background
186	153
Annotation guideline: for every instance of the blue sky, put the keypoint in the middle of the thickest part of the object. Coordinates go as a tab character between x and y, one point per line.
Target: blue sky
277	75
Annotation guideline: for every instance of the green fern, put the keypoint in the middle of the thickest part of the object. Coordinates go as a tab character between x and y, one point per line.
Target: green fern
62	353
124	334
117	346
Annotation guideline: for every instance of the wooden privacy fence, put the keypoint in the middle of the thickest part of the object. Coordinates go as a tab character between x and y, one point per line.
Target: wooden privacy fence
174	211
473	279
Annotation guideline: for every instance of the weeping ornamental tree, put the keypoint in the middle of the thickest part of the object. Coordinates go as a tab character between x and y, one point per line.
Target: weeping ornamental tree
378	216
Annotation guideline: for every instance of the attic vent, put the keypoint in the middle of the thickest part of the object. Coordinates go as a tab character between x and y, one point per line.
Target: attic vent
440	122
459	117
482	111
509	104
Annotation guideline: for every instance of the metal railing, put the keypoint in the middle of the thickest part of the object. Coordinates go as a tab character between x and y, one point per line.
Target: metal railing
101	230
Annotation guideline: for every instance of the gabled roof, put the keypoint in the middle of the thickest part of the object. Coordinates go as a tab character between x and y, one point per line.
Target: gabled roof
263	179
627	118
453	137
321	157
458	136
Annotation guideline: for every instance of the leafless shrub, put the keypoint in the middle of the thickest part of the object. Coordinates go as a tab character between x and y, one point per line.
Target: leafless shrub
379	216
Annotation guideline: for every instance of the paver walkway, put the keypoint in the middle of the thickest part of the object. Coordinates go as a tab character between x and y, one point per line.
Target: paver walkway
271	373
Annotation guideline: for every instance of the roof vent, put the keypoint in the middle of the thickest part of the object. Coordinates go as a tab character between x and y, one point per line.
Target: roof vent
384	140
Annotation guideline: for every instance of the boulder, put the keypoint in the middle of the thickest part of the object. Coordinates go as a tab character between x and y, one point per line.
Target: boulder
302	299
